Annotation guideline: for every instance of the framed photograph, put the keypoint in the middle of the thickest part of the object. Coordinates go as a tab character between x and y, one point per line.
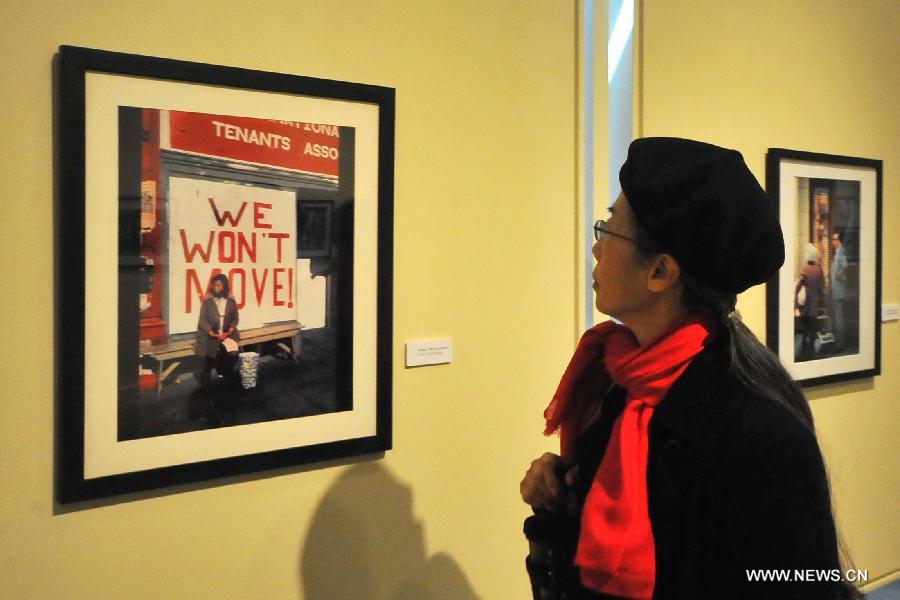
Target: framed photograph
823	306
225	284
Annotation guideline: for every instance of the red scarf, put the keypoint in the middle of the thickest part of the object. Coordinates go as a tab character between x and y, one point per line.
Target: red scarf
616	552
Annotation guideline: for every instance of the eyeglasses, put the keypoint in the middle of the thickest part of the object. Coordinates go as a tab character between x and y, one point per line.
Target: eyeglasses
600	232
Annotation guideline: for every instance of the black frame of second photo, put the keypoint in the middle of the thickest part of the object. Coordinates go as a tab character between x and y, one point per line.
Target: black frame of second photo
823	308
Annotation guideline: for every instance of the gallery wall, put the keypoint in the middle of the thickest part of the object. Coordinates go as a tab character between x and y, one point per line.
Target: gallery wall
819	76
485	254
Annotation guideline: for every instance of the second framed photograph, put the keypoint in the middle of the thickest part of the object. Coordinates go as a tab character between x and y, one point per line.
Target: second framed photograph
226	298
823	307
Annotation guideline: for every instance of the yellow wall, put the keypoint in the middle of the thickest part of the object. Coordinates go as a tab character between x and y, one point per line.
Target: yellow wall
485	222
486	126
821	76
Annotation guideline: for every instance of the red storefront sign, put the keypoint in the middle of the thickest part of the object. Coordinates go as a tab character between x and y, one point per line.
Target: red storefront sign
308	147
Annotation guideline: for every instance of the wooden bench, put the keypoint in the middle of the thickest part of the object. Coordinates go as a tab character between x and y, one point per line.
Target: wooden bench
285	335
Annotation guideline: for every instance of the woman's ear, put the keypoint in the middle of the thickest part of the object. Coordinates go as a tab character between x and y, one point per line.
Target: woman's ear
664	273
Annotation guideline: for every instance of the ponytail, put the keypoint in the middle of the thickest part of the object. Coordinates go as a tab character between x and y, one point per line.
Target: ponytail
750	362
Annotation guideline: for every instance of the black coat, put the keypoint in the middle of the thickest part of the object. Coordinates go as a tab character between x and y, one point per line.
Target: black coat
734	482
209	321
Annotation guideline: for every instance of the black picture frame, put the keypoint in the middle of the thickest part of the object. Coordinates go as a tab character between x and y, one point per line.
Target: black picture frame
823	315
360	420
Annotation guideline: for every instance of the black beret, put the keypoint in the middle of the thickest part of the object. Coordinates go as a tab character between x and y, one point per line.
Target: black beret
701	204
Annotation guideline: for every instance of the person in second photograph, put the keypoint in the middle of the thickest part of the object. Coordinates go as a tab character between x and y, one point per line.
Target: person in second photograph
809	299
839	294
217	333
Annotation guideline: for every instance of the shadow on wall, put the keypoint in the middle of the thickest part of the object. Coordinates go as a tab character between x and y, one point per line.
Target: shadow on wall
364	543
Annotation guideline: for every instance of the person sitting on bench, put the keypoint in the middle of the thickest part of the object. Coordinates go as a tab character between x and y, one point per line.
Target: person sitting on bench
217	333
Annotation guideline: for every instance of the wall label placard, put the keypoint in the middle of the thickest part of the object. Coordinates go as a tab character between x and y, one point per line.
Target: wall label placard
429	352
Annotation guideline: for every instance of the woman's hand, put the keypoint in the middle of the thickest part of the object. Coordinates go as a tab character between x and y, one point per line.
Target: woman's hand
543	484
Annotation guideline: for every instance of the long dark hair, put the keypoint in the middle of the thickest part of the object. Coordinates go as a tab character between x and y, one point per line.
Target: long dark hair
749	362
